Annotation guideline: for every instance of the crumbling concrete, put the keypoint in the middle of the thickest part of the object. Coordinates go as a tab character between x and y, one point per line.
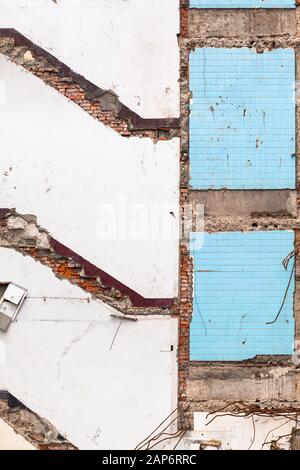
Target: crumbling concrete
245	383
260	203
245	224
242	24
22	233
32	427
103	105
295	441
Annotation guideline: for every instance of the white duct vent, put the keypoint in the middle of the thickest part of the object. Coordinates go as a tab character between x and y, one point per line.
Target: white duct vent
11	299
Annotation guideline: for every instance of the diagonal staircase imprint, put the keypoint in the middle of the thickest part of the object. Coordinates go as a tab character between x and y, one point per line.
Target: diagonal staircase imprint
22	233
32	427
103	105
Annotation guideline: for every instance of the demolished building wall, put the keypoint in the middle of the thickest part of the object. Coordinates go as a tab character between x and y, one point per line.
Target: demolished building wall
89	218
71	358
102	41
255	389
100	325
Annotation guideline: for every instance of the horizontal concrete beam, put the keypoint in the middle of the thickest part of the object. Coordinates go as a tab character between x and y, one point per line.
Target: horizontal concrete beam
260	203
249	383
241	23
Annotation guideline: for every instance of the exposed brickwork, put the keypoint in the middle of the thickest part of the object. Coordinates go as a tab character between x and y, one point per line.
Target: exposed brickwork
186	264
184	15
34	429
24	235
185	311
65	268
103	105
186	270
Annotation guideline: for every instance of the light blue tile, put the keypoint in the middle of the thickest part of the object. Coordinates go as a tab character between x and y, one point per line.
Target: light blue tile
239	284
242	3
242	121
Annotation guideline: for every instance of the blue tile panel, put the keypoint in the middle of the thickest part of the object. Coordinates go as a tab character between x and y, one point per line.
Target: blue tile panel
242	123
242	3
239	284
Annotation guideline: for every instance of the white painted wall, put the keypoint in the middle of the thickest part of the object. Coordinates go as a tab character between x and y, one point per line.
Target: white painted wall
129	46
10	440
56	359
238	432
63	166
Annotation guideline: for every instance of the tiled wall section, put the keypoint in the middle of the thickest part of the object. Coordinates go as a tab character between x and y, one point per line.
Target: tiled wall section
239	286
242	123
242	3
